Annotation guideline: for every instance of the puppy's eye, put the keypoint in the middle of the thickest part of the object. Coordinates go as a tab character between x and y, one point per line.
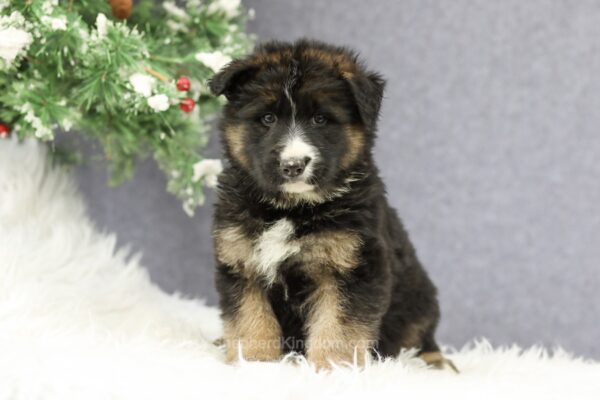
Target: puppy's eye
319	119
268	119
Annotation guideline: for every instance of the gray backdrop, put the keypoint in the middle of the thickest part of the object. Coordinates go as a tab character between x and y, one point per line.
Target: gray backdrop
488	143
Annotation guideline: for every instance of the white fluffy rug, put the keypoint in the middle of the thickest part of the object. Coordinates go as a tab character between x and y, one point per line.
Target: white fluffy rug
79	320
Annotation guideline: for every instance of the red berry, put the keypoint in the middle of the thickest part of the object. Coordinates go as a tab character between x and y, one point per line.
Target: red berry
183	84
4	131
187	105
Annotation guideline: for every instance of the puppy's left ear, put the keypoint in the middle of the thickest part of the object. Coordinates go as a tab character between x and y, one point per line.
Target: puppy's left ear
367	88
229	80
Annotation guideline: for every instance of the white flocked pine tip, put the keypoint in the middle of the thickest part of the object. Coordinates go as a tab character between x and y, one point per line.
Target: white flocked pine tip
214	60
101	25
173	10
55	23
142	84
158	102
209	170
13	39
230	8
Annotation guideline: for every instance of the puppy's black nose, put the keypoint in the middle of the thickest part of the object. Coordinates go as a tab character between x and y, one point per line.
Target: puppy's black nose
292	167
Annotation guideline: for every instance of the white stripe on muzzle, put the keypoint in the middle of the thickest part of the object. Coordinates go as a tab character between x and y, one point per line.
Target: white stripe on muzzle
297	146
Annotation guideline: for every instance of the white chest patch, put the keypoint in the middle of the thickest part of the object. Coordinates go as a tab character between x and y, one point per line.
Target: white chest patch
273	247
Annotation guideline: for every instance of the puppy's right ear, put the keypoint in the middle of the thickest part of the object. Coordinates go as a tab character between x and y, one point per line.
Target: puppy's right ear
230	79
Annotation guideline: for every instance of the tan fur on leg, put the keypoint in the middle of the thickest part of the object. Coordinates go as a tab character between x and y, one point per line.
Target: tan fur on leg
330	339
254	328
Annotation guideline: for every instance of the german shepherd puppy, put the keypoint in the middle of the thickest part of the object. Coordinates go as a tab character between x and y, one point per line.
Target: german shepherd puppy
310	256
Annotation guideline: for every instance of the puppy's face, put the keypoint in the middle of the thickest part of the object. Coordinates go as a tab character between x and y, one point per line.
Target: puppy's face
299	118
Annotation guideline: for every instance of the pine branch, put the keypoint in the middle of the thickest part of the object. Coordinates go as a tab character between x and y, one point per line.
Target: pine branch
114	81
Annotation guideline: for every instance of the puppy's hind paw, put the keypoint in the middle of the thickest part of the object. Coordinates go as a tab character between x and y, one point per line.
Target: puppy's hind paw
438	361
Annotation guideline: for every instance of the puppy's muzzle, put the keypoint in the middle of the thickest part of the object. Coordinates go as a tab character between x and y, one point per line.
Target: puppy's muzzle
291	168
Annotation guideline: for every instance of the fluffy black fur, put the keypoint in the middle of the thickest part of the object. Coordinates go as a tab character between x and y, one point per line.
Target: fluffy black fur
388	289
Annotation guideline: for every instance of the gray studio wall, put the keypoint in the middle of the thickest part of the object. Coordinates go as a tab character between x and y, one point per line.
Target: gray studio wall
489	144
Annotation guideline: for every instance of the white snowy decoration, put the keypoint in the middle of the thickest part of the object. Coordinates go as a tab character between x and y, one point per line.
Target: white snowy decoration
214	60
172	9
101	25
55	23
41	131
12	42
48	6
230	8
158	102
209	169
142	84
14	37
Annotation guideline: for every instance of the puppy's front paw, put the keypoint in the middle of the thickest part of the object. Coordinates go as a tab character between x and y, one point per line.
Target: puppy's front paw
323	359
321	362
253	332
253	349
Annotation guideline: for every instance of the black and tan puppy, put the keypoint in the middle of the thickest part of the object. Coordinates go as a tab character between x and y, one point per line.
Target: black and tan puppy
311	258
